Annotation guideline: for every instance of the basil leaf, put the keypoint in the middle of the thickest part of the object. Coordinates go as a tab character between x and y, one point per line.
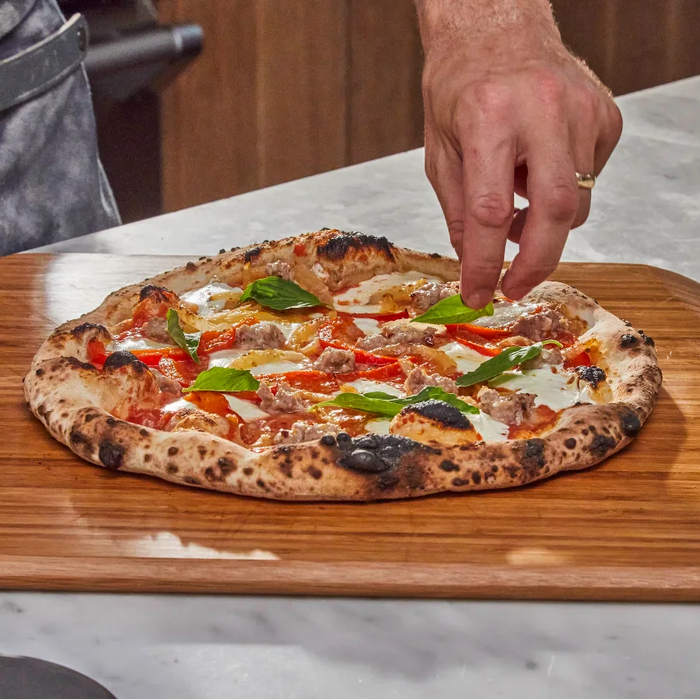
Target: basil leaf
452	310
386	405
189	342
506	360
226	379
279	294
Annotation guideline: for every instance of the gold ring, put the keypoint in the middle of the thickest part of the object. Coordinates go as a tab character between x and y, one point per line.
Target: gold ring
586	181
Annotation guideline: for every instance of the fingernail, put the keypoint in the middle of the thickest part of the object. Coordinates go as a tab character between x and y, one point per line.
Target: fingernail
478	298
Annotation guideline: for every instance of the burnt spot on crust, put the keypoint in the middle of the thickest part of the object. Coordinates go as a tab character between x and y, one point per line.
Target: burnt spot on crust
570	443
601	445
460	482
111	454
441	412
338	246
435	256
315	473
260	483
171	469
111	420
648	340
328	441
629	422
476	478
248	471
226	465
190	267
191	480
629	341
447	466
252	254
592	374
123	358
532	456
154	292
76	437
211	475
202	451
39	372
172	451
287	469
84	328
143	432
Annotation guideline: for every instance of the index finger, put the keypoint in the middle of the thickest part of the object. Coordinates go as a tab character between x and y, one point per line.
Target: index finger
488	170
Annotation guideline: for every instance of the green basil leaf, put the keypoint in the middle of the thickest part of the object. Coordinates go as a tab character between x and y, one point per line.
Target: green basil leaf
506	360
189	342
386	405
279	294
452	310
227	379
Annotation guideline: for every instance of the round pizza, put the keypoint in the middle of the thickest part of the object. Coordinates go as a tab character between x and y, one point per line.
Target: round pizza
337	366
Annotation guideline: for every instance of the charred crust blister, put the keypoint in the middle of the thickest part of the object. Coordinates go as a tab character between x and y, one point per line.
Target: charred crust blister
123	358
601	445
629	341
440	412
338	246
383	453
629	422
447	466
153	291
592	374
85	328
648	340
111	454
252	254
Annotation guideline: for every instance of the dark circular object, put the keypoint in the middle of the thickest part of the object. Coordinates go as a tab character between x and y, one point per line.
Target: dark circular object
328	441
630	423
343	439
24	677
628	340
592	374
365	461
367	442
441	412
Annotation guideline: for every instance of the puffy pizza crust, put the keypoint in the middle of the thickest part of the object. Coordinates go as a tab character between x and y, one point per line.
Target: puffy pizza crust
83	408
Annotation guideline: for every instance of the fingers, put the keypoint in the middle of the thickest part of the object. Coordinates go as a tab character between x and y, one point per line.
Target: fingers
443	167
489	163
554	202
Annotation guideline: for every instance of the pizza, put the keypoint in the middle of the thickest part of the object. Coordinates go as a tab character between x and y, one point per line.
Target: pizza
338	366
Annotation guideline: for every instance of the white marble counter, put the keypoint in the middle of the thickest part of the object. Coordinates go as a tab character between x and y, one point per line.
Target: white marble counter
646	209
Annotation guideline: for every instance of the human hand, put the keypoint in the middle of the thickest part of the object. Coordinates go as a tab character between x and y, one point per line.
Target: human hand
509	109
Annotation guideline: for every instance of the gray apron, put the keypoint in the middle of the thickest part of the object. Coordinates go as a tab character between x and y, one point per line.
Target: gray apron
52	184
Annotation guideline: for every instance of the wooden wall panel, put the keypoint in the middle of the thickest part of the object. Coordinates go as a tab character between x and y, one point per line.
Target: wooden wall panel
208	116
385	108
302	85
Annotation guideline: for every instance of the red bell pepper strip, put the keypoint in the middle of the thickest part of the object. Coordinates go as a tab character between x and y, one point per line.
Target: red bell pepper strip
393	316
482	349
96	352
309	380
213	341
377	373
583	359
327	339
487	333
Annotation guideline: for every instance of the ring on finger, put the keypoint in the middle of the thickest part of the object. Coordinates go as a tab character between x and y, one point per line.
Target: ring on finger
586	181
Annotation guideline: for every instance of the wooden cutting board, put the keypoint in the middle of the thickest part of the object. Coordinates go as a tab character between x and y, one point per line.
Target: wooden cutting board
628	529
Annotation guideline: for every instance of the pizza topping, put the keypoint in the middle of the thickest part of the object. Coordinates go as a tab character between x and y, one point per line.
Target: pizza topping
191	418
156	329
225	379
189	342
378	426
505	314
279	268
431	293
398	335
539	326
364	386
247	410
548	356
418	379
303	431
453	310
509	358
591	374
279	294
513	409
369	326
285	400
336	360
166	384
555	389
211	298
259	336
465	358
135	343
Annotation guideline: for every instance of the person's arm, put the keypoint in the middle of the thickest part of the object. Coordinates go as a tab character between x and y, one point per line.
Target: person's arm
508	108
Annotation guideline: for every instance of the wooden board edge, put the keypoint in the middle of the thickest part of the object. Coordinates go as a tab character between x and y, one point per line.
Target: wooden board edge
102	574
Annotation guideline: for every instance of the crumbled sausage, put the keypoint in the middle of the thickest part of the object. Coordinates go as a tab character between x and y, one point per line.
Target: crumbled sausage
156	329
303	431
166	384
513	409
194	419
514	340
548	356
259	336
286	400
431	293
539	326
279	268
336	360
402	334
418	379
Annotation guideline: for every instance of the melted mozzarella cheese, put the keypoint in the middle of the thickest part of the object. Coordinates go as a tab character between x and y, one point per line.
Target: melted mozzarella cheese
275	368
247	410
364	386
491	430
504	314
202	297
379	426
369	326
356	300
557	390
467	360
224	358
287	328
137	344
176	406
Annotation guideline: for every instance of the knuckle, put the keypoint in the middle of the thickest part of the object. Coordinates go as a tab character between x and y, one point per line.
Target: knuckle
549	86
615	121
561	201
491	210
492	97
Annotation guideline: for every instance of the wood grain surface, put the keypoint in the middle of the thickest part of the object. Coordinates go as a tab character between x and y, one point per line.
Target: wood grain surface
627	529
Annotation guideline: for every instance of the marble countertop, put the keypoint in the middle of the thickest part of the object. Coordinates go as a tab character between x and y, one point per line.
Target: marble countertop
646	210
